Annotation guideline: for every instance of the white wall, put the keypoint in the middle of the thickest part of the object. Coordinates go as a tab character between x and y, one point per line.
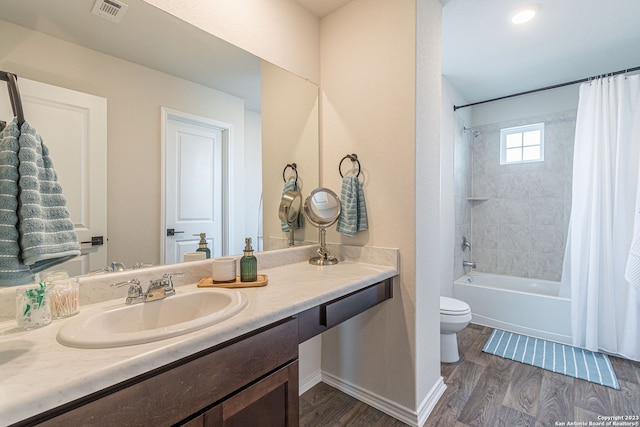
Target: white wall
452	125
432	191
520	107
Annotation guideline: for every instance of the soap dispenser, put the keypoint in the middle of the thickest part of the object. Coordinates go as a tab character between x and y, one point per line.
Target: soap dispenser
202	246
248	263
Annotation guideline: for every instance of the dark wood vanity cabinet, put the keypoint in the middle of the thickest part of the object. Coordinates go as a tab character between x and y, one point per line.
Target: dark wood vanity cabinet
221	386
271	402
249	381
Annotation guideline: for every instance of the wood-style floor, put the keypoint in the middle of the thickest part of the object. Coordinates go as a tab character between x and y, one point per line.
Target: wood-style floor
485	390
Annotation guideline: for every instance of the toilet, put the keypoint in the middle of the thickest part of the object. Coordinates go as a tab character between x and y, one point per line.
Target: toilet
455	315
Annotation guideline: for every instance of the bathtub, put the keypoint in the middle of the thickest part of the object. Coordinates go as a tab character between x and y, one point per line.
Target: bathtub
526	306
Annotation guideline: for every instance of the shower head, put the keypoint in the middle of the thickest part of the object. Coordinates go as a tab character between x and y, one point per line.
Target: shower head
475	133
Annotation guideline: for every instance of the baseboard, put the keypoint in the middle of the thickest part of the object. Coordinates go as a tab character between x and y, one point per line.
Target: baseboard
429	402
400	412
309	381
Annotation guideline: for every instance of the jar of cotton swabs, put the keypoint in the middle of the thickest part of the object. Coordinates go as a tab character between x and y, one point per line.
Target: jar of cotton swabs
63	292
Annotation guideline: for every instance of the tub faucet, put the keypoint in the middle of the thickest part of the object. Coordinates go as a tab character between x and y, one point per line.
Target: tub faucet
465	244
469	264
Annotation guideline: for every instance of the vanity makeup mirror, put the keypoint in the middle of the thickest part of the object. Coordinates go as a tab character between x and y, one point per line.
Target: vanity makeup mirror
150	60
322	208
289	211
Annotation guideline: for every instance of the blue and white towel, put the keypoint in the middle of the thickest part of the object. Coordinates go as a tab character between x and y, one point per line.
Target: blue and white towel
291	185
12	271
353	216
37	232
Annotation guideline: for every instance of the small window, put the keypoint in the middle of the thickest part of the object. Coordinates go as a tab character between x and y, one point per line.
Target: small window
522	144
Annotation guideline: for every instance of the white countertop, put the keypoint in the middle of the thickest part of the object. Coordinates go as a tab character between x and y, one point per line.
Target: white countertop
37	373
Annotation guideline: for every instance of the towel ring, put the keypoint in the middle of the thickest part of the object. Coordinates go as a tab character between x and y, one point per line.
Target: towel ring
353	158
295	170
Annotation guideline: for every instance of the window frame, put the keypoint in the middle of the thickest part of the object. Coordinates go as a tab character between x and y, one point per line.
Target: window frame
521	130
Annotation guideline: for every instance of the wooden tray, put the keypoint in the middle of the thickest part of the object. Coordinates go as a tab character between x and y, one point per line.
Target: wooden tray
208	282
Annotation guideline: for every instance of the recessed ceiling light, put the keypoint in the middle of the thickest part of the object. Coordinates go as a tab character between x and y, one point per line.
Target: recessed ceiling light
524	14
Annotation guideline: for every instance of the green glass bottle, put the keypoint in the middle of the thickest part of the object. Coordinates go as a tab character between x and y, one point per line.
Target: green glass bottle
248	263
202	246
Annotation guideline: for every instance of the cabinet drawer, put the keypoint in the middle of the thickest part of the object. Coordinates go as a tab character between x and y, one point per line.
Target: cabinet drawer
325	316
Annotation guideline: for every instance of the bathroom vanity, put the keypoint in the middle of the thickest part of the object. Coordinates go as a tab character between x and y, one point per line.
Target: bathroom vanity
242	371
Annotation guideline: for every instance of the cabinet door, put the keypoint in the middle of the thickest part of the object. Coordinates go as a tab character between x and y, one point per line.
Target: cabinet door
271	402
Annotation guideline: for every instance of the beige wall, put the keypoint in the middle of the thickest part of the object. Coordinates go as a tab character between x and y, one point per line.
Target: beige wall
290	135
134	95
370	91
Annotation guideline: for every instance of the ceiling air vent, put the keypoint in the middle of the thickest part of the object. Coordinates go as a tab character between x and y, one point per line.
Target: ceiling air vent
113	10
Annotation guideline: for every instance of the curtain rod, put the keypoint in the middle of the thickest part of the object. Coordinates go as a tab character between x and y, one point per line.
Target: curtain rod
615	73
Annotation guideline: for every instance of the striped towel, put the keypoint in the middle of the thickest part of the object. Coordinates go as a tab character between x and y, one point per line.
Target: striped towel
35	230
353	216
291	185
12	271
47	235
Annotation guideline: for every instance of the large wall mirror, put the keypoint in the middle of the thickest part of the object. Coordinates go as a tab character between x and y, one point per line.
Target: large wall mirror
152	62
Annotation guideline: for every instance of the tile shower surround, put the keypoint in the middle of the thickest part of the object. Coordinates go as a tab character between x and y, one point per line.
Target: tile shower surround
520	230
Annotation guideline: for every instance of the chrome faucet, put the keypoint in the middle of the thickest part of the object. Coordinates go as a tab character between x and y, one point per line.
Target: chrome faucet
465	244
157	289
469	264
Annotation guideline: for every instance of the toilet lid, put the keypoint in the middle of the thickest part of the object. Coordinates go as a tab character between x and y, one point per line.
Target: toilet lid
453	306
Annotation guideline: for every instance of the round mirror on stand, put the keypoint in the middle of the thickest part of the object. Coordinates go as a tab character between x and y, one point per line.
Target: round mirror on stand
289	211
322	209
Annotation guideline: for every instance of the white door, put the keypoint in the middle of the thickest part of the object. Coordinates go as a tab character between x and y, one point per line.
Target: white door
194	165
73	125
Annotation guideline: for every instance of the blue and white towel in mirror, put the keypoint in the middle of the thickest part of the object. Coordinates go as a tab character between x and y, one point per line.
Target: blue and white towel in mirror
35	225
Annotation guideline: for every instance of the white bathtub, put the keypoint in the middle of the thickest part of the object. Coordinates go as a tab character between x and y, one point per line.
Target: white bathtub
525	306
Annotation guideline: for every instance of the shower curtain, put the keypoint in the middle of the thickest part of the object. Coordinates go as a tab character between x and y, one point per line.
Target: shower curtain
605	216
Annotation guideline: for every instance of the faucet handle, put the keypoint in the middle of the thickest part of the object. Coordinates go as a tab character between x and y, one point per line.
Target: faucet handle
168	287
135	290
169	276
133	282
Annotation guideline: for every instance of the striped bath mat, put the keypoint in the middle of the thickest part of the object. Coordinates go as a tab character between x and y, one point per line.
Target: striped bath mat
560	358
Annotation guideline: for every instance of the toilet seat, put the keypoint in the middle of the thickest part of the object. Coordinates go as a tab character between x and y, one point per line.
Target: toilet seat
453	307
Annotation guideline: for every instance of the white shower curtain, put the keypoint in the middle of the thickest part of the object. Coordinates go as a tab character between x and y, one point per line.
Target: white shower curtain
605	307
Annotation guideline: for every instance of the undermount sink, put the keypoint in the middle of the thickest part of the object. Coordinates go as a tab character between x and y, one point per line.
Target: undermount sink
151	321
